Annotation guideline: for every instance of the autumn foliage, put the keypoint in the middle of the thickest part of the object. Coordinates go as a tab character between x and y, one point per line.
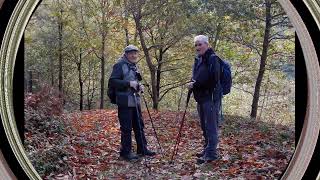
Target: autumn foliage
87	145
48	100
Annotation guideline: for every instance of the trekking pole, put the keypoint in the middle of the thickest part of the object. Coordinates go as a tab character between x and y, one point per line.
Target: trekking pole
140	129
154	130
175	149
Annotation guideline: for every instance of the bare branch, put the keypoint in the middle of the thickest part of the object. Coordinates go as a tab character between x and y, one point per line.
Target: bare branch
177	82
173	87
171	69
283	37
246	91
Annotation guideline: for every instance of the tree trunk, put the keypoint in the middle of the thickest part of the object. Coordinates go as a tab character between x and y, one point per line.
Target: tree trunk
103	49
159	75
80	81
154	95
263	60
102	71
126	23
88	90
217	37
60	26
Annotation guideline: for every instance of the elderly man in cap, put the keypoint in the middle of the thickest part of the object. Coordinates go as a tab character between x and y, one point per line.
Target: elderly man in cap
125	78
207	93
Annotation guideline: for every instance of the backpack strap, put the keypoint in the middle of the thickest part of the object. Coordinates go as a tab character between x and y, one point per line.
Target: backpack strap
215	61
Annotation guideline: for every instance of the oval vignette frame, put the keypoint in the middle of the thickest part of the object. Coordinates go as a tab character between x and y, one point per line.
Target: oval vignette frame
309	135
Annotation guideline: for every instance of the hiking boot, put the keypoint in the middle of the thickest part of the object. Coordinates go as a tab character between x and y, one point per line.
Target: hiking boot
146	153
129	157
205	160
199	155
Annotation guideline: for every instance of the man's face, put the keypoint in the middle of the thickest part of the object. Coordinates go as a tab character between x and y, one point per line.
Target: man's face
132	56
201	47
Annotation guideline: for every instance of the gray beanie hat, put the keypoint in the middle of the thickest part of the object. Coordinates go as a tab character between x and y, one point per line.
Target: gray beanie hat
130	48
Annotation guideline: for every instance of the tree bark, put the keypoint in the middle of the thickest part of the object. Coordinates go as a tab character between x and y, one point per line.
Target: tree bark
151	67
217	37
126	22
263	60
103	49
80	81
102	71
60	26
88	89
159	76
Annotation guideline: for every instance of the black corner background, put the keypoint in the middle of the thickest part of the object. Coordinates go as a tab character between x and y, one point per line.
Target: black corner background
5	12
301	85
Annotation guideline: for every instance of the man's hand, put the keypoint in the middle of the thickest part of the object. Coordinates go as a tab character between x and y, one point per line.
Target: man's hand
141	88
190	85
134	84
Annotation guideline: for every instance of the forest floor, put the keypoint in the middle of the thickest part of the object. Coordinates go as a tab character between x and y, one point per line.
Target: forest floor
89	148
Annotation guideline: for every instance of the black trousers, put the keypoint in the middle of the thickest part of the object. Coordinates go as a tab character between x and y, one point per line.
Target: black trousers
129	119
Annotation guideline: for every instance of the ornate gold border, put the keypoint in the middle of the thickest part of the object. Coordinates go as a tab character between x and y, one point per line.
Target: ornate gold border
310	132
314	8
8	52
311	127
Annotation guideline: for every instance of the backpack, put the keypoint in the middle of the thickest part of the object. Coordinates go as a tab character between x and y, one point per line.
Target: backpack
111	92
225	76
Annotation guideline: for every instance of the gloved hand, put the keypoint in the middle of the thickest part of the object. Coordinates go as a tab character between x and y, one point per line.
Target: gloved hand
134	84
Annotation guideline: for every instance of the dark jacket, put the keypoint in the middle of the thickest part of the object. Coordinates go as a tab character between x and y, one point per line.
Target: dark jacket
122	73
206	73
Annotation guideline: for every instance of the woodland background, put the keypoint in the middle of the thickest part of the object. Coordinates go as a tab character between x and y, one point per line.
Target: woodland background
70	48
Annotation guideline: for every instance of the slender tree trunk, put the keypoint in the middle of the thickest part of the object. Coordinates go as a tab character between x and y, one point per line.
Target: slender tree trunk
126	22
103	49
102	71
263	60
127	36
60	26
159	76
217	37
80	81
88	90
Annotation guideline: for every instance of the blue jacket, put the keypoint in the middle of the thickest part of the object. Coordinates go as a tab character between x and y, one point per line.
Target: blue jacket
206	73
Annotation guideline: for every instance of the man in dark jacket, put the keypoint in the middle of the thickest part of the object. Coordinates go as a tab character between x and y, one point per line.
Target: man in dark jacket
207	93
125	79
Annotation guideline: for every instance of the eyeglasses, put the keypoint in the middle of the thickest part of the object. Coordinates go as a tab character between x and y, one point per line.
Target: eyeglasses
197	44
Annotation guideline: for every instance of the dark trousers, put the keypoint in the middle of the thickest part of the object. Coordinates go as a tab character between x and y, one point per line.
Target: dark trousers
209	116
130	120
